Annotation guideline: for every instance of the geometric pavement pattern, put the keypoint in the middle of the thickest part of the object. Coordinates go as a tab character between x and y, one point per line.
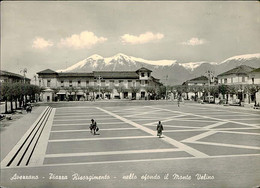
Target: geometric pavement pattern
128	134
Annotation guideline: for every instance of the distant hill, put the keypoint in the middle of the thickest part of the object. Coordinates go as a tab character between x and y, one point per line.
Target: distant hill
168	71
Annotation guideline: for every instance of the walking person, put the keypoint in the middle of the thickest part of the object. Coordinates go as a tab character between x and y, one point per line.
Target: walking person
178	101
93	127
159	129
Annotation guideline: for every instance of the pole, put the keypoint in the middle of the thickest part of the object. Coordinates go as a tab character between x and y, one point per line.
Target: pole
209	77
166	87
99	83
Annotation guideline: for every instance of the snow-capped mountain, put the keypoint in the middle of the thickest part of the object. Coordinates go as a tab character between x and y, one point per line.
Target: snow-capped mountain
118	62
169	71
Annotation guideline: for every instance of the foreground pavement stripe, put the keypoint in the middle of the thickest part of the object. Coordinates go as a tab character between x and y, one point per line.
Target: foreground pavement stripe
39	152
107	138
169	140
9	156
110	153
87	130
143	160
226	145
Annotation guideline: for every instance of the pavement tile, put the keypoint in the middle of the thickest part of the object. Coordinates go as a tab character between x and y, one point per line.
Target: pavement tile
231	125
182	135
103	134
106	145
236	139
221	150
118	157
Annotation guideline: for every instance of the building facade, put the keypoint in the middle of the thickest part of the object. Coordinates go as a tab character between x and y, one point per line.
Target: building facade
10	77
238	75
97	84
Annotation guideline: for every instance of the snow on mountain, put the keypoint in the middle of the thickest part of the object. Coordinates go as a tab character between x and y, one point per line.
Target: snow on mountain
193	65
245	57
111	63
177	72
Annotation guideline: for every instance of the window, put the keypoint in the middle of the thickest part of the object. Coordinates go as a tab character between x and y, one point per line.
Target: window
48	83
142	74
40	82
70	83
225	80
146	81
120	81
79	83
62	83
148	74
253	80
87	82
112	81
129	80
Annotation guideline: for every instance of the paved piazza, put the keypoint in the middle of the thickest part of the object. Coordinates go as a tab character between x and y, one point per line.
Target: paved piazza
221	144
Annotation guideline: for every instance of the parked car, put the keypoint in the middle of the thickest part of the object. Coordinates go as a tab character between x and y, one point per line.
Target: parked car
209	99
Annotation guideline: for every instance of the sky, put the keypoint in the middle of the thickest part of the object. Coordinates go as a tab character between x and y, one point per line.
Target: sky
56	35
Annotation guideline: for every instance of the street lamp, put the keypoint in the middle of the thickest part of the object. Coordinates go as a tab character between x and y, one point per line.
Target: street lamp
166	78
209	75
99	83
24	71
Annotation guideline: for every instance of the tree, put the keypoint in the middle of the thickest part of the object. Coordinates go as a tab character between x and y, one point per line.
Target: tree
161	91
120	89
134	90
85	91
213	91
70	90
103	90
251	90
5	87
223	90
151	91
196	89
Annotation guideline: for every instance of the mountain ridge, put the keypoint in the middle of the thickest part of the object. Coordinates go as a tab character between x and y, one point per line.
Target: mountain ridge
177	72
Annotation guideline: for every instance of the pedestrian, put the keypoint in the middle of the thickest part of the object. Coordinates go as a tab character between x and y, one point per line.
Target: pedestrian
178	102
93	127
159	129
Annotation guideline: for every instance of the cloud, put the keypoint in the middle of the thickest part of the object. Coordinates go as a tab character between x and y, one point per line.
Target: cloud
142	38
85	39
41	43
194	42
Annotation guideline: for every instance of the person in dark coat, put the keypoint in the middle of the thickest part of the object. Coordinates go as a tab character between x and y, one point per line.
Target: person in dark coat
159	129
93	126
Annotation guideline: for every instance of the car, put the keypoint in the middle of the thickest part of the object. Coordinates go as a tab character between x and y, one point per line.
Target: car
209	99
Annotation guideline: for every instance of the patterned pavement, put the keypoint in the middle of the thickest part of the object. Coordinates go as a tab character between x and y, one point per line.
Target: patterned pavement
129	134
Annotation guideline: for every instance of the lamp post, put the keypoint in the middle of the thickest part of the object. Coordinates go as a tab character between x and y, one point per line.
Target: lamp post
166	78
209	75
24	71
99	83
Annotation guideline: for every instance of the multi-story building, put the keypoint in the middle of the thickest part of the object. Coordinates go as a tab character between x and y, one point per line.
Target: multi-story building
198	81
238	75
10	77
105	84
254	76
